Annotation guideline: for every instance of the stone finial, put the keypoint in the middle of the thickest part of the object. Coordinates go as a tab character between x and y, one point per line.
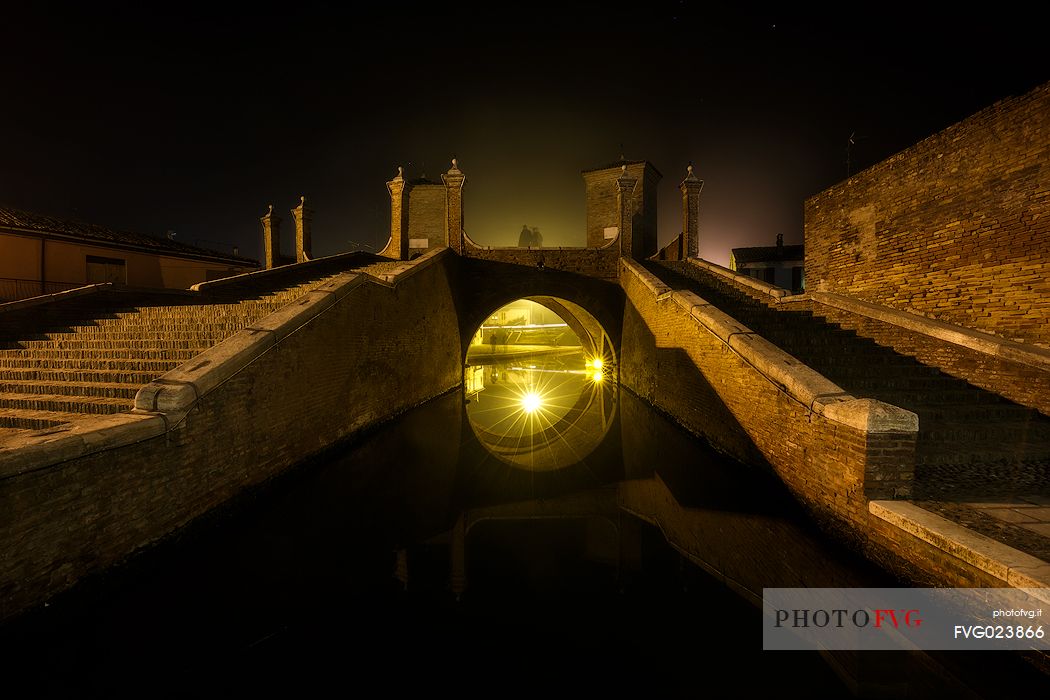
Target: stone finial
623	169
691	180
400	174
455	168
303	238
271	232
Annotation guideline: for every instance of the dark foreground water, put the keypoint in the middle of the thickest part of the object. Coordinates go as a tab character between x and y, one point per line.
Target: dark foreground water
414	560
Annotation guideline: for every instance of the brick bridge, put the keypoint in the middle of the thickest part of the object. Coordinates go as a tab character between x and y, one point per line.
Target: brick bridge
124	414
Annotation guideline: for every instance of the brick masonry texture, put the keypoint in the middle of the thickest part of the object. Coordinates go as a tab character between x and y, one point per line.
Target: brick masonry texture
1024	384
688	372
374	353
955	228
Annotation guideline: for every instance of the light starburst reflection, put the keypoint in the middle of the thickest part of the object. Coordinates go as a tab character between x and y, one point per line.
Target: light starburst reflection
530	402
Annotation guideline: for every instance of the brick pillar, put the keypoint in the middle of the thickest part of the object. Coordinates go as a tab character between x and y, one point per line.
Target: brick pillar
691	187
398	247
453	180
303	218
271	233
625	206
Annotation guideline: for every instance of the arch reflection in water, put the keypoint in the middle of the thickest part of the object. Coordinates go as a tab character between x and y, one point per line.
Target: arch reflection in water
540	383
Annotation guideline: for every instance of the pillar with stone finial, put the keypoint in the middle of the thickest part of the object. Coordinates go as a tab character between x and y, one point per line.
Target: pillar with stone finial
398	246
303	218
453	180
691	187
625	204
271	233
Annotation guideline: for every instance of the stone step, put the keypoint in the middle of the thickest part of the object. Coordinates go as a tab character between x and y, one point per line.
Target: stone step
111	353
133	377
25	419
165	327
76	341
141	365
1014	435
65	404
975	412
204	311
865	381
921	376
70	388
187	334
941	454
140	321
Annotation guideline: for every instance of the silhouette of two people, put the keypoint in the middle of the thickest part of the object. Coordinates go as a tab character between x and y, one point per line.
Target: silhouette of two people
530	237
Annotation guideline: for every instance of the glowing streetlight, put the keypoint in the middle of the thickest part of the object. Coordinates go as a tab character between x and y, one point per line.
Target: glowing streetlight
597	376
530	403
597	363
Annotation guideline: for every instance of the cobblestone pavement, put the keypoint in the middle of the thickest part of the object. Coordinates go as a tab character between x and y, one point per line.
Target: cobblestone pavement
1022	522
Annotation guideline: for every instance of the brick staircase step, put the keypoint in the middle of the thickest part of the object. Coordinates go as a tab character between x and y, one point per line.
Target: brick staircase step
106	376
76	342
113	353
27	419
70	388
66	404
141	365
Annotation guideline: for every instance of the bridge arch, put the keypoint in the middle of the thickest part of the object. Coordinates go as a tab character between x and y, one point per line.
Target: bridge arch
525	355
593	305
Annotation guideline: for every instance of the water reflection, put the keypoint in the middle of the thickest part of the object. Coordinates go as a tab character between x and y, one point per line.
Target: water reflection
406	559
539	395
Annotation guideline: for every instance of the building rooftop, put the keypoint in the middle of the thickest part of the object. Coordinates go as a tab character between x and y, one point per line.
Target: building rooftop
18	220
770	253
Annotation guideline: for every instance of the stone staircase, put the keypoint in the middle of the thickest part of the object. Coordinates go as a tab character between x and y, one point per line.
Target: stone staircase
91	356
970	440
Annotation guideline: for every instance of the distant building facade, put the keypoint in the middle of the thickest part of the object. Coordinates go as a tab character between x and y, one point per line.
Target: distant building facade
41	254
782	265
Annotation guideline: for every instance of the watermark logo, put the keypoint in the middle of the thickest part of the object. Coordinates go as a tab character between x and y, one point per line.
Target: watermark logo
905	618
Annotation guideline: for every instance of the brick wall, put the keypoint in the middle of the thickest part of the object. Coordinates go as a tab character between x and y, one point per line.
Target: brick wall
603	211
372	354
687	371
603	263
955	228
1025	384
426	214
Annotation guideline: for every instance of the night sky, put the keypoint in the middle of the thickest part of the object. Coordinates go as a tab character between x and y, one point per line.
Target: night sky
191	118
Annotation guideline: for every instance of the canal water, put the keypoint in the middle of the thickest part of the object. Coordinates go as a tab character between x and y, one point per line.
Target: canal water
419	557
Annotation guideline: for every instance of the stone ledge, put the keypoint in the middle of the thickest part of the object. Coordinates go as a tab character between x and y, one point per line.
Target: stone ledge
872	416
647	278
161	404
36	451
263	274
798	380
177	391
410	267
55	296
958	335
1012	566
765	287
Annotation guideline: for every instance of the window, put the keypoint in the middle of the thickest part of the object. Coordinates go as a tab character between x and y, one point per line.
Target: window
769	274
796	280
106	270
